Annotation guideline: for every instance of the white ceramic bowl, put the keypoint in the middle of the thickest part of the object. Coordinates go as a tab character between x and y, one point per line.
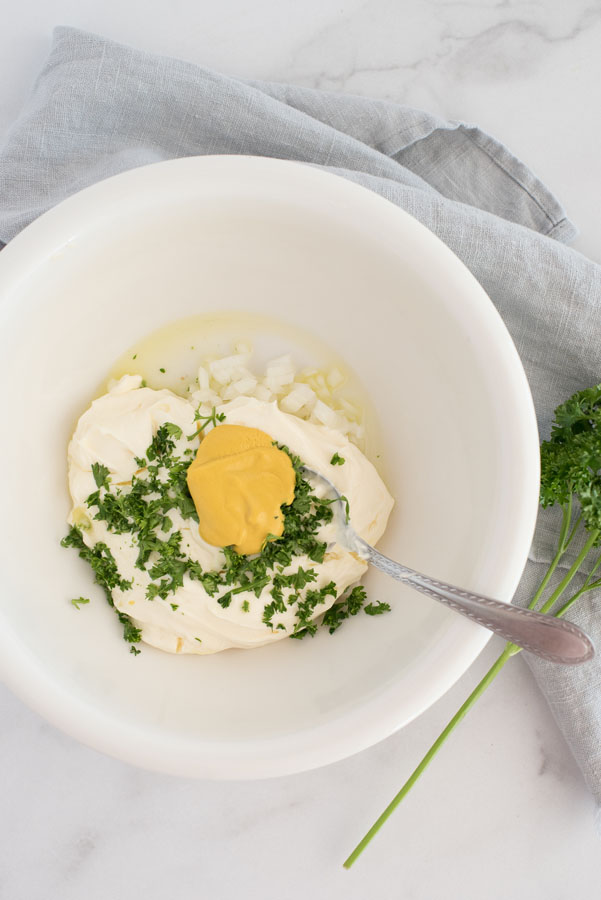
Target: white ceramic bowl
134	252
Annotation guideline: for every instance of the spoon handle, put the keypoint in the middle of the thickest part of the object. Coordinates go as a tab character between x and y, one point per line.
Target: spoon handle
545	636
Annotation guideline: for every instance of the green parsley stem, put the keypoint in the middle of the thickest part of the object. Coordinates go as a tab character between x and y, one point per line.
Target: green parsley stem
440	740
561	612
564	541
565	581
563	585
259	583
573	532
562	545
587	586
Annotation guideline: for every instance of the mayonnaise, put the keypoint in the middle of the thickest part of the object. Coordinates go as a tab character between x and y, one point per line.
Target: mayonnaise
120	425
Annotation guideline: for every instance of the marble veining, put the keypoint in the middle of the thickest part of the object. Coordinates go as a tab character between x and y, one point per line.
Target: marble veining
488	41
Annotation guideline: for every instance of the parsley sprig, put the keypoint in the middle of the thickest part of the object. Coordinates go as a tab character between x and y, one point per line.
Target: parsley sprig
571	480
213	419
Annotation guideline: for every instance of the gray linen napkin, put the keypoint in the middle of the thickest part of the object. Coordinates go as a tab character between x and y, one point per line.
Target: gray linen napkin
99	108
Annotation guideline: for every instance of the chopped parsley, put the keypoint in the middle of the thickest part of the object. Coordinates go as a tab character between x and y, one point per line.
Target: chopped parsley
306	609
348	606
130	633
106	574
173	430
101	475
337	460
376	609
162	443
79	601
142	509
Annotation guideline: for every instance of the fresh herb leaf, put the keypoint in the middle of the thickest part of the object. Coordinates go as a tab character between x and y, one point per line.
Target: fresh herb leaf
306	609
130	633
337	460
162	443
173	430
212	419
225	600
101	475
106	574
348	606
376	609
79	601
101	560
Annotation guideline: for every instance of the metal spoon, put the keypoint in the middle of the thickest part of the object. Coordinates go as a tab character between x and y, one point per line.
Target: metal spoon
545	636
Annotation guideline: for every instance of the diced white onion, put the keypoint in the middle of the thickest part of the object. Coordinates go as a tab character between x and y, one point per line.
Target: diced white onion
241	388
335	378
324	415
311	394
203	378
301	397
263	393
228	369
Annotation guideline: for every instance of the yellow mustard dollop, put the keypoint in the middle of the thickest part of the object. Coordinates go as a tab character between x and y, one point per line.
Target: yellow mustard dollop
238	481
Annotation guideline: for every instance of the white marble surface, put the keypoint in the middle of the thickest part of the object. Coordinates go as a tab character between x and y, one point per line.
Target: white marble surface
504	811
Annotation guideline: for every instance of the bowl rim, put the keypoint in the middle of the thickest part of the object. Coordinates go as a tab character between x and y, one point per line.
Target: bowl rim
379	717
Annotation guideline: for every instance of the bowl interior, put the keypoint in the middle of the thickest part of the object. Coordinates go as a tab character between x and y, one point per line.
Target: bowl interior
456	431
